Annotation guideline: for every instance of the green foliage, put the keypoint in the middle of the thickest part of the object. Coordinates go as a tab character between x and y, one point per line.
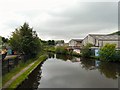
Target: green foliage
59	41
24	40
61	50
116	33
4	40
108	52
86	52
25	74
50	48
51	42
117	55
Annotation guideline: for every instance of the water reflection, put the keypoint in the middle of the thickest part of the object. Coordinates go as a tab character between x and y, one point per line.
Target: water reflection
64	57
51	55
67	58
78	73
33	79
88	64
110	70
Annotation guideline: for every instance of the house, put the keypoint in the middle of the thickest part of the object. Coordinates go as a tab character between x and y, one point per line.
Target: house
75	44
99	40
66	44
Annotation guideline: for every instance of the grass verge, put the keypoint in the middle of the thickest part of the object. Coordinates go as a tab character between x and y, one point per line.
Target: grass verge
14	71
27	72
18	68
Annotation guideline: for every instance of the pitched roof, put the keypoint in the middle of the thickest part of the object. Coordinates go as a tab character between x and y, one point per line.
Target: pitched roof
105	37
78	40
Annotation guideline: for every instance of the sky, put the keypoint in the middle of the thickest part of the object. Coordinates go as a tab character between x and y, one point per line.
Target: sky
59	19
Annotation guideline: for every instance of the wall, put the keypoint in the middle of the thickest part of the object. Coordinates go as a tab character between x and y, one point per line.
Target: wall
88	39
111	42
72	43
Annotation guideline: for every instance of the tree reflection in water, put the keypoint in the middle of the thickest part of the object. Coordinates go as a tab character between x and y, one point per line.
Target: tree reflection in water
109	69
88	64
64	57
51	55
32	81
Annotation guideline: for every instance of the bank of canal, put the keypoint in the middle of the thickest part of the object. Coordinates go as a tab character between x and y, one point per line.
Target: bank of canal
60	71
23	74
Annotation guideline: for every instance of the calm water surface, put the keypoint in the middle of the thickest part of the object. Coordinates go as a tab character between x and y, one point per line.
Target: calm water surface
70	72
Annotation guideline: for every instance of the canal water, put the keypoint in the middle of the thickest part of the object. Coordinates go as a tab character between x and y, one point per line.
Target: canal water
60	71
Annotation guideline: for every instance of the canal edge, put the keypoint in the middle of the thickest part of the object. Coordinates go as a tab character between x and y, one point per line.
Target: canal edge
23	71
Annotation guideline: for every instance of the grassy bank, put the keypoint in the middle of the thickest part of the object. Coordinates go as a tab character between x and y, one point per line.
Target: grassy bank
14	71
24	75
19	67
27	72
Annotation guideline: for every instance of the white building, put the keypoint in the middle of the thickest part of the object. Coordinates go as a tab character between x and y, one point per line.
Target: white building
99	40
75	44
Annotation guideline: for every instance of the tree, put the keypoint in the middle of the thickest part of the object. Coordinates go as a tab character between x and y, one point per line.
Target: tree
24	40
86	52
108	52
51	42
4	40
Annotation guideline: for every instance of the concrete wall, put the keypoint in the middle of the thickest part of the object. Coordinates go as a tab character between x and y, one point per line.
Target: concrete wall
72	43
85	41
88	39
110	42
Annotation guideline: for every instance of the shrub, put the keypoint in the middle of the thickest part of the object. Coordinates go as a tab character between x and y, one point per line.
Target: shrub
61	50
86	51
108	52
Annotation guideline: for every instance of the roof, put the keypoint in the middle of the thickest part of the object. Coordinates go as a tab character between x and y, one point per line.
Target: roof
78	40
105	37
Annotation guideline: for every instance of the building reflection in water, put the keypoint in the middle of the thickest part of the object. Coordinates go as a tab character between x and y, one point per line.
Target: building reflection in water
109	69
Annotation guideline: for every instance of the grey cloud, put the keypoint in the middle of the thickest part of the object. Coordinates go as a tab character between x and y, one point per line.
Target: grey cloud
74	22
92	13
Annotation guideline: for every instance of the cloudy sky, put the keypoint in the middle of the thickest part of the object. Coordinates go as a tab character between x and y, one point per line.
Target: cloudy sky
59	19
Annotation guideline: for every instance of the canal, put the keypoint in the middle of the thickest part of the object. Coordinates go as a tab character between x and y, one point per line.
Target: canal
60	71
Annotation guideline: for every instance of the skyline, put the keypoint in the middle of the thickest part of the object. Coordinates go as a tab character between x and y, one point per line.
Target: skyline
57	19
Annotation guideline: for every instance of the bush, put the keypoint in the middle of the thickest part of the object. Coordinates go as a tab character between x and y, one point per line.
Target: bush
61	50
108	53
117	56
86	51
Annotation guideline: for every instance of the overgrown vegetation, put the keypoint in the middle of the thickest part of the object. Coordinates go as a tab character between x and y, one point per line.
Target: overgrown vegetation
27	72
86	52
61	50
65	51
109	53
